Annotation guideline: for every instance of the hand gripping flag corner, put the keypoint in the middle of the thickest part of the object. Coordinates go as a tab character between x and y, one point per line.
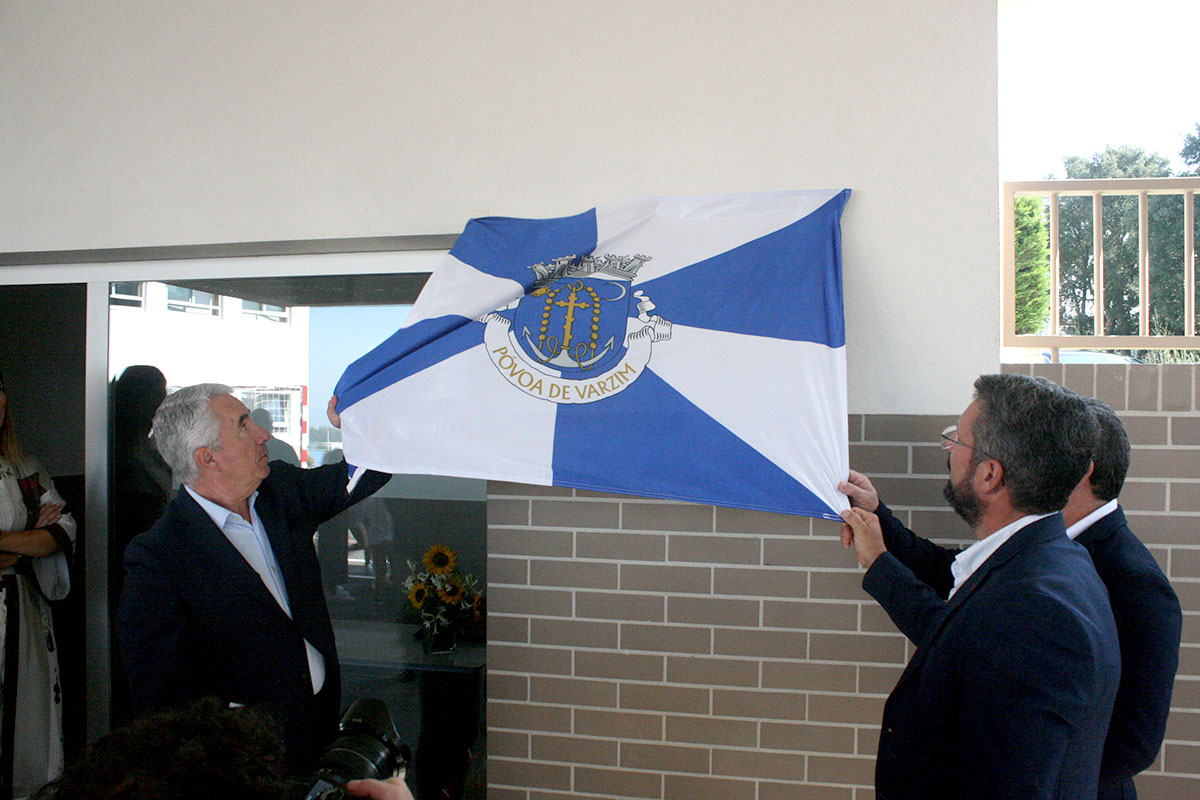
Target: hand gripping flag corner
690	348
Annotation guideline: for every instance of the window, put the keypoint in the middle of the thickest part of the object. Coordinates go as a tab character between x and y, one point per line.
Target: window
265	311
126	293
181	298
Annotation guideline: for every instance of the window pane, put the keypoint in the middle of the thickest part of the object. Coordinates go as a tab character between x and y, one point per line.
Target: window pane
285	375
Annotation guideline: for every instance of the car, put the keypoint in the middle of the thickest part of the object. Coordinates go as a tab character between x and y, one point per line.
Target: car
1071	356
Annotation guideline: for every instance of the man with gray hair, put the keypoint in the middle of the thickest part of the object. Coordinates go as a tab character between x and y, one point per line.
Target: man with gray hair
1011	687
223	595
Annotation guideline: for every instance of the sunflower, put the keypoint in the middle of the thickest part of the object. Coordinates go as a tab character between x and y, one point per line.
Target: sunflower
440	560
417	594
451	591
477	606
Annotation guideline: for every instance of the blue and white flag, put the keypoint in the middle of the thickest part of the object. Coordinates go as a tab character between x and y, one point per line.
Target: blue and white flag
690	348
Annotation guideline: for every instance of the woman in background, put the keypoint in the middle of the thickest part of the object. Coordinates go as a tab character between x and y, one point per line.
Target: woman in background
36	538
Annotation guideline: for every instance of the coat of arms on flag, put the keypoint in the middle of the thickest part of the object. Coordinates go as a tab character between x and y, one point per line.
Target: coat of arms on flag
689	348
571	339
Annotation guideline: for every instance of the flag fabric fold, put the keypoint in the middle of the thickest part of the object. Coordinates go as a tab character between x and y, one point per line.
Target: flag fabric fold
688	348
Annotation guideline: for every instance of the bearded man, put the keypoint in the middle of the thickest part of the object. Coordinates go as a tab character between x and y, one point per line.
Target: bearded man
1011	688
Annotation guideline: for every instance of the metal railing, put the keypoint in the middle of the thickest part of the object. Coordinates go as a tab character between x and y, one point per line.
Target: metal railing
1142	188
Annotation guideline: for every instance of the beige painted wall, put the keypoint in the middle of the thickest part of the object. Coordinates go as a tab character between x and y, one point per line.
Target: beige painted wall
164	123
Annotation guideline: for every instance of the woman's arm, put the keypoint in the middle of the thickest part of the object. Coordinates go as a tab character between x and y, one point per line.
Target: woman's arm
38	541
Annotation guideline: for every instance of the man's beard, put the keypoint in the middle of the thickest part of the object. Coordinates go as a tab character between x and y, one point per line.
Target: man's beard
964	500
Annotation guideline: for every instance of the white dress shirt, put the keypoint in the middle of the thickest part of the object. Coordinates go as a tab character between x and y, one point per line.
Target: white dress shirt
1090	519
971	559
250	539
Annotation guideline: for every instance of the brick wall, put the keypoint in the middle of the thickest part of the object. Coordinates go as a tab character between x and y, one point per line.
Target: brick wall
647	649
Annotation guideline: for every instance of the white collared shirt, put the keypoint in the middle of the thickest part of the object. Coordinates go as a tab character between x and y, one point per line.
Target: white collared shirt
250	539
1091	519
971	559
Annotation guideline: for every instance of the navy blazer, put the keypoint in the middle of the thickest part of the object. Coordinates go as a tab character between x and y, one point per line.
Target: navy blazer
195	619
1010	690
1149	623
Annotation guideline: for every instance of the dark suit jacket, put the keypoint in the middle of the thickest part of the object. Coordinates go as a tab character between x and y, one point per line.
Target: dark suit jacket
1149	624
1010	690
195	619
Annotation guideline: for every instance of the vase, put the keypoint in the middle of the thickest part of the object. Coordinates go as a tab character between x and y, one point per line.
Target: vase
443	641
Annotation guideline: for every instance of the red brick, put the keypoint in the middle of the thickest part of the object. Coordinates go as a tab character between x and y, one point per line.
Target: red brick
807	737
618	724
808	676
572	632
620	606
715	549
760	643
622	546
622	666
517	658
667	517
759	704
643	697
712	671
712	730
664	757
575	514
618	782
507	772
572	691
659	578
666	639
573	574
758	764
760	582
691	787
527	717
854	770
808	551
574	750
810	615
712	611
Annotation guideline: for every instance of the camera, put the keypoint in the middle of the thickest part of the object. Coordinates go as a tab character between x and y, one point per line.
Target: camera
367	746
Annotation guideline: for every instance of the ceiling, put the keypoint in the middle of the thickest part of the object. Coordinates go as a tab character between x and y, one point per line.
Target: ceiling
318	290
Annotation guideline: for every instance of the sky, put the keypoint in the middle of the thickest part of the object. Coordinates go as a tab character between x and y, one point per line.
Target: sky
337	336
1127	63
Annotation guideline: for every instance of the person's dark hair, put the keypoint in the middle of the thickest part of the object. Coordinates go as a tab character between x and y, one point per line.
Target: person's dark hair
1042	433
205	752
136	396
10	446
1110	455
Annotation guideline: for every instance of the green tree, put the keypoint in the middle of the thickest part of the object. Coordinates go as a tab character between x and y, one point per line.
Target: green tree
1191	156
1033	265
1191	151
1122	303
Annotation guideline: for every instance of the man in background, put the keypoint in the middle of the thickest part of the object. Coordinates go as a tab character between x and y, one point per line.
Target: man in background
1146	609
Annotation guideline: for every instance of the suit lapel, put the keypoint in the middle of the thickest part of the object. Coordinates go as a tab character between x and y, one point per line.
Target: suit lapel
275	523
204	535
1038	531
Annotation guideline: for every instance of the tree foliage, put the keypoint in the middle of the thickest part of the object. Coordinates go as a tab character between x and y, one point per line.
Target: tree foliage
1033	265
1191	151
1122	302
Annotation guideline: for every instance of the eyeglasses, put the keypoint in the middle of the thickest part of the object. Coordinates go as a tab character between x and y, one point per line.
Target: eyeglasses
948	441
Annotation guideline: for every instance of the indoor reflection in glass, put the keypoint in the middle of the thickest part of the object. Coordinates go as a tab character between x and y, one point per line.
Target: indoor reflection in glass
283	358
